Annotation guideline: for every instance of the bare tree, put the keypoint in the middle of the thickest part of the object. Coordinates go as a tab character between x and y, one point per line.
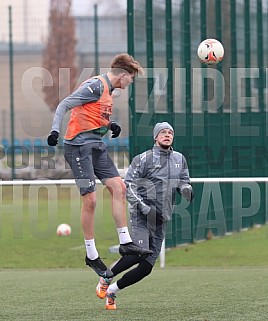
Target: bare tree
60	52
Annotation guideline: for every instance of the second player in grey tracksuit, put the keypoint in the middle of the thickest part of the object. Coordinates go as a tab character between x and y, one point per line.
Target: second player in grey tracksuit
152	181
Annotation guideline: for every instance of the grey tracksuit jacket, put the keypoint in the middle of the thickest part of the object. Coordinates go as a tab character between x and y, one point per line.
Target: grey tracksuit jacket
153	179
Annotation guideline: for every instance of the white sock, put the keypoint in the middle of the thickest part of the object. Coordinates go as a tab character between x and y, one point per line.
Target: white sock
123	235
113	288
92	252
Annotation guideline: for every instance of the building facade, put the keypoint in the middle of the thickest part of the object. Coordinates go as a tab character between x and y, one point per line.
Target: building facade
31	114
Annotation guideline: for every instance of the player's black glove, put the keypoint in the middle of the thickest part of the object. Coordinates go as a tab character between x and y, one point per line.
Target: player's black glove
52	139
116	129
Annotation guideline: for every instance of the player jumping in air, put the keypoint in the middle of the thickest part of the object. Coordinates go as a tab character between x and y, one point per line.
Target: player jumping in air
91	107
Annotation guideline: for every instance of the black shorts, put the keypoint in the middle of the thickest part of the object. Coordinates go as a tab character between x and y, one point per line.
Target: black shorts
88	161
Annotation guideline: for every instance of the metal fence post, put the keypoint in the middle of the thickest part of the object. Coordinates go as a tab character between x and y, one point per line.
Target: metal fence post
11	72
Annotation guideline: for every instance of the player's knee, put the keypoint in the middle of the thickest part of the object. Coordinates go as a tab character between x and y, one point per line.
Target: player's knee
116	187
120	192
121	188
89	201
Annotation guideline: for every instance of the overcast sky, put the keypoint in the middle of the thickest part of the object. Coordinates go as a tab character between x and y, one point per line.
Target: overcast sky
86	7
30	17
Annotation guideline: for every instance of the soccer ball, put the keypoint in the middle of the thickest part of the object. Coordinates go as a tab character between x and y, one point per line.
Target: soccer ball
210	51
64	230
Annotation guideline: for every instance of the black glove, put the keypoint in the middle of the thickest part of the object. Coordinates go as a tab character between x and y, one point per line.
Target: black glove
116	129
52	139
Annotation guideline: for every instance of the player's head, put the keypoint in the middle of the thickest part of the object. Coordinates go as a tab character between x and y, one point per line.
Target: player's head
123	70
163	135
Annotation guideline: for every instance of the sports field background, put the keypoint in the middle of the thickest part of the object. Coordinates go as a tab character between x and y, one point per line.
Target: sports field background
31	214
43	276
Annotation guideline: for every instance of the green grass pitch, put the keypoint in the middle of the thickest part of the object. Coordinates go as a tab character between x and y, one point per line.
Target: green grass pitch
43	277
172	294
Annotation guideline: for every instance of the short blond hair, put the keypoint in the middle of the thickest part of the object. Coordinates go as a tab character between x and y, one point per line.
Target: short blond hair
124	61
